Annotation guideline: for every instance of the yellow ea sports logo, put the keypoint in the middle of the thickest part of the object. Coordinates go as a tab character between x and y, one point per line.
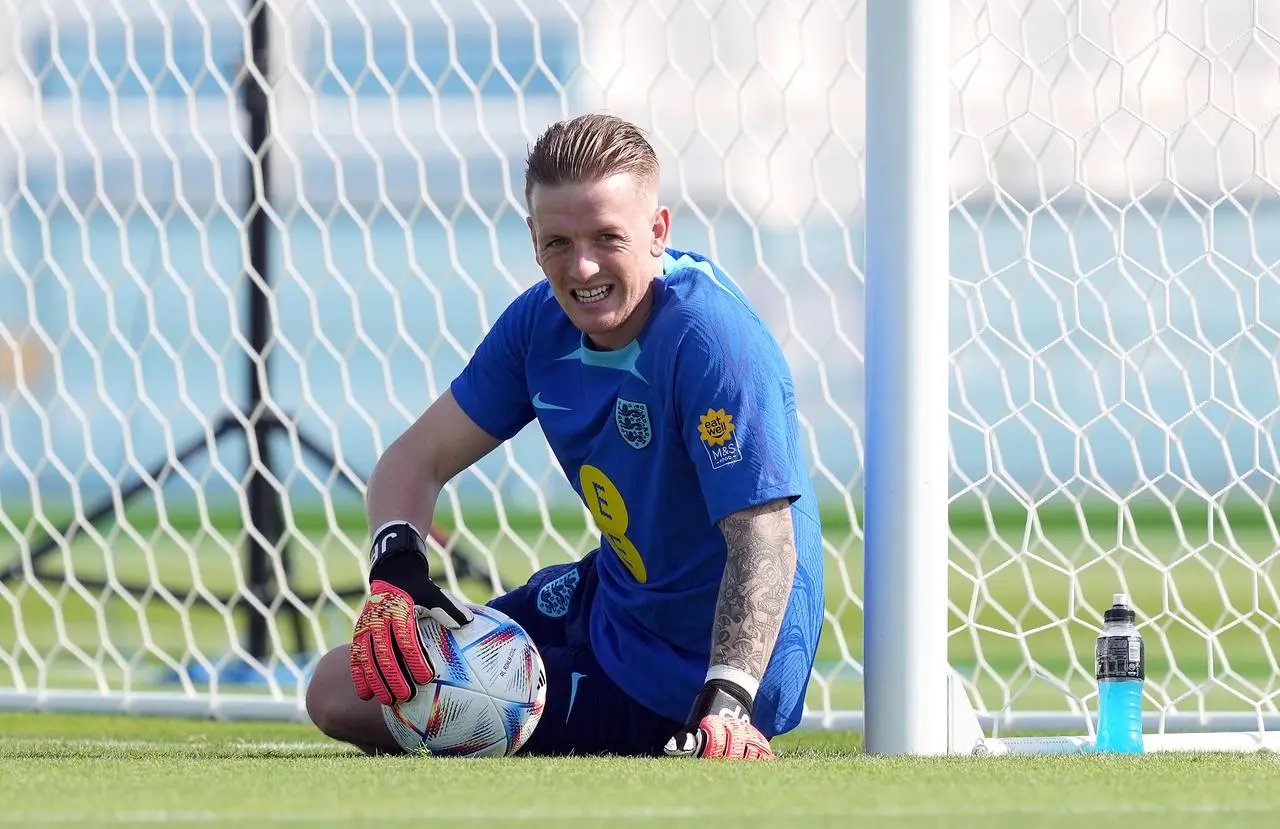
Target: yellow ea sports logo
716	427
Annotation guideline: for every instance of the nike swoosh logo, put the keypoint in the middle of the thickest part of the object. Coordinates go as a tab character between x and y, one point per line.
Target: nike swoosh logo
539	403
573	692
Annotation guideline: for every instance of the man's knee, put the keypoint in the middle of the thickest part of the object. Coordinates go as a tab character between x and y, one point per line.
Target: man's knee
325	703
336	709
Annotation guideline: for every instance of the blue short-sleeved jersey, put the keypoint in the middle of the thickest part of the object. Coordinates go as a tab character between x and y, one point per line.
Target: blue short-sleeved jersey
692	421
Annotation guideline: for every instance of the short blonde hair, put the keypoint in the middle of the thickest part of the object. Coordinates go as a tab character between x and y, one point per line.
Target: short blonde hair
589	148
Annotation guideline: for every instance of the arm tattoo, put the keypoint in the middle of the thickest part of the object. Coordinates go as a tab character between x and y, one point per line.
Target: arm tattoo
755	588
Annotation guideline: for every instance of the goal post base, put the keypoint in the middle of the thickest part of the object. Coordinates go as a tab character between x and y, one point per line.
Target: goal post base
965	735
964	729
1212	742
227	707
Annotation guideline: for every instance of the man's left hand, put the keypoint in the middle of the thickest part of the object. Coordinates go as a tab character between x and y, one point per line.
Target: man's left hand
719	727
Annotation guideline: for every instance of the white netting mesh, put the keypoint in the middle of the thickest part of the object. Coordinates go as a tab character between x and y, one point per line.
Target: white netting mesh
1114	318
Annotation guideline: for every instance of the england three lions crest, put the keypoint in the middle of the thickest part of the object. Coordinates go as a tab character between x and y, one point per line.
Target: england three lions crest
633	423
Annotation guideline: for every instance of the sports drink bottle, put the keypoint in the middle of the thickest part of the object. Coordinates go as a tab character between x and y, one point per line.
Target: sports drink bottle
1121	670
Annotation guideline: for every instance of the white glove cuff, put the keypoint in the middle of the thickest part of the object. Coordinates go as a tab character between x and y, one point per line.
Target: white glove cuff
738	677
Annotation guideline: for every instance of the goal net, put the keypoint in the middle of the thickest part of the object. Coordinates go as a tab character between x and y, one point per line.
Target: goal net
1114	296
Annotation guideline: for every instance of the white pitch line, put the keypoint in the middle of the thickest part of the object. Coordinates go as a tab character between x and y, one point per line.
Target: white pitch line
201	817
62	742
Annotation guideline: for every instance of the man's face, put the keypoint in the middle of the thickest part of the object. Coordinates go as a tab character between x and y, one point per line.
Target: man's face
600	245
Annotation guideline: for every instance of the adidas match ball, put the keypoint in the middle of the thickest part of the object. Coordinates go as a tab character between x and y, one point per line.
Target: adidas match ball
487	696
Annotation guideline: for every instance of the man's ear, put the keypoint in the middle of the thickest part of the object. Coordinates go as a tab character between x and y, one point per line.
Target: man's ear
533	235
661	231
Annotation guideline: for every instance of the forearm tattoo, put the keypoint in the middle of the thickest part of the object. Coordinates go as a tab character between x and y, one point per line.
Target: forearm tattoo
755	588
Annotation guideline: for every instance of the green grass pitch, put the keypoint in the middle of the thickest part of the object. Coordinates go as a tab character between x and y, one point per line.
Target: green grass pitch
61	769
1027	589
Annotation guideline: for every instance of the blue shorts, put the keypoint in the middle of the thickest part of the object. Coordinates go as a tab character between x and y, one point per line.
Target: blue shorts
586	713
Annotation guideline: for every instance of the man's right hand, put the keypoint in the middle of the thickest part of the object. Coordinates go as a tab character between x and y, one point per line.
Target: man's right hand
387	657
719	726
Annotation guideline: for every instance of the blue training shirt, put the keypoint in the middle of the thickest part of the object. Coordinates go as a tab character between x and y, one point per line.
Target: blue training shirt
692	421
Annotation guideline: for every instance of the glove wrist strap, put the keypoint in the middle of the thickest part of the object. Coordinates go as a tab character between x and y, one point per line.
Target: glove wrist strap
720	697
394	538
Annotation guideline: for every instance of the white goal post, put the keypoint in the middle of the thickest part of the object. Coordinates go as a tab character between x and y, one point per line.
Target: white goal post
1017	253
906	353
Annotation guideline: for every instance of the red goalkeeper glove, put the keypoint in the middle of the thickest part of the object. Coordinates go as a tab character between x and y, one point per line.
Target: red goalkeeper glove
387	659
719	726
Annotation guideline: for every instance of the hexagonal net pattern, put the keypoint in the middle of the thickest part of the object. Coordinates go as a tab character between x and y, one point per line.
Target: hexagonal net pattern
1114	320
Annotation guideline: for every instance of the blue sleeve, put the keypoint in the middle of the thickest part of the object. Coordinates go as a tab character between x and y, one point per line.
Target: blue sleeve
492	389
736	404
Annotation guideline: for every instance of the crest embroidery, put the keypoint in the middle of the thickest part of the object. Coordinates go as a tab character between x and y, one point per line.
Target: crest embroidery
633	423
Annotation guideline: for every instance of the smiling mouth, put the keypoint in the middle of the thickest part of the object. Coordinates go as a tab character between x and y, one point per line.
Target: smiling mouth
593	295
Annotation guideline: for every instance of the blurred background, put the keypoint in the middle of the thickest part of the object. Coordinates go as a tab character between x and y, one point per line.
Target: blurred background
1115	301
1114	173
1113	177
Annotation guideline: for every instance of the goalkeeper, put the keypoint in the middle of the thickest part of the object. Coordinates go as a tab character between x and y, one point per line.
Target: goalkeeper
692	629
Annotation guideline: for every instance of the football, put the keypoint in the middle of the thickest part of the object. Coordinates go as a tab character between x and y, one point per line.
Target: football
487	696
